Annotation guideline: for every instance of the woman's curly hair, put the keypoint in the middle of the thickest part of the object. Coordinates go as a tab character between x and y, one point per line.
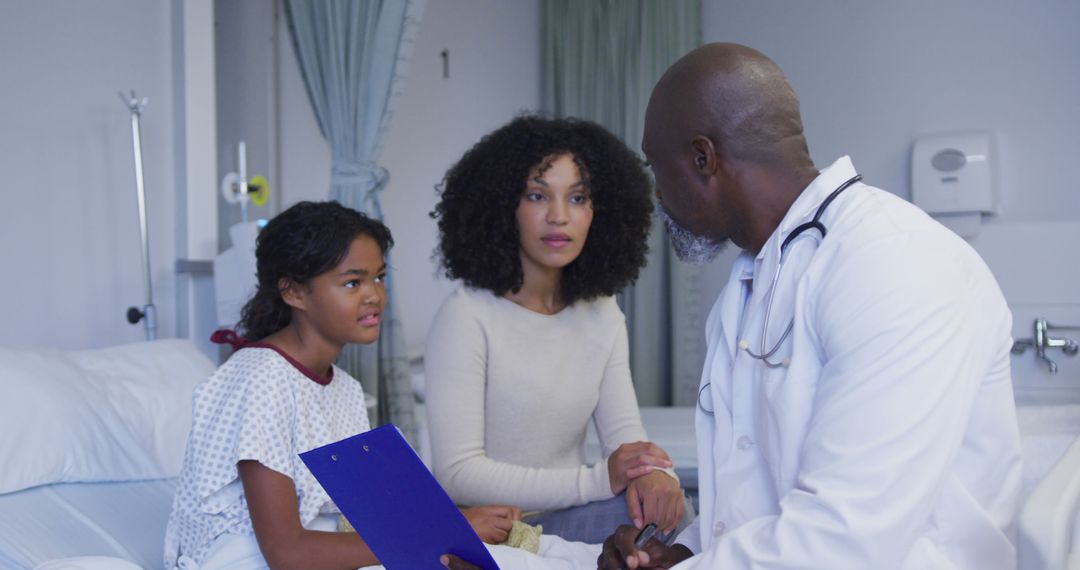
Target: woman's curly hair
306	240
479	241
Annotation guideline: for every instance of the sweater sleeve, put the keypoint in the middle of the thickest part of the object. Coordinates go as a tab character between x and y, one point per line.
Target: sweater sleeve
456	365
617	417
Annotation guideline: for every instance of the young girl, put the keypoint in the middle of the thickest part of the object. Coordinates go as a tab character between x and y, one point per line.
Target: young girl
544	220
245	499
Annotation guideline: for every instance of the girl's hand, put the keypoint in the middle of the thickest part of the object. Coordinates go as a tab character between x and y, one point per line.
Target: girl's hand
632	460
655	497
492	522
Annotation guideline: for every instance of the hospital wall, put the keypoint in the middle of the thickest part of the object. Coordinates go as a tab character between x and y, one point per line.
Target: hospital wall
874	76
69	225
68	216
871	76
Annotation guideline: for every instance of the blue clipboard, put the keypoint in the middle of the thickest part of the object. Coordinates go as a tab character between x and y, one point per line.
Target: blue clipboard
393	501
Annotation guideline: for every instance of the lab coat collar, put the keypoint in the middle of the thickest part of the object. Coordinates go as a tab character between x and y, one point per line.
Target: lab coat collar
802	210
743	269
731	301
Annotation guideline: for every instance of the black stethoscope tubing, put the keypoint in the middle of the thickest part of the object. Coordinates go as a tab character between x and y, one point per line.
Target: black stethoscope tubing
816	221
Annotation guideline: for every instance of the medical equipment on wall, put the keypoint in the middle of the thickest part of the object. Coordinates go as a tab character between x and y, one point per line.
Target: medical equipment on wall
148	314
235	273
952	179
764	355
237	189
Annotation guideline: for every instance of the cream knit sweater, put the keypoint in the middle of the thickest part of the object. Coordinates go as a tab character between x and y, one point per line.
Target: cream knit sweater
510	393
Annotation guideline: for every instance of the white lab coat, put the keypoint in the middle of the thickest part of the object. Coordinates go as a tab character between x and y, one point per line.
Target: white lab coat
891	440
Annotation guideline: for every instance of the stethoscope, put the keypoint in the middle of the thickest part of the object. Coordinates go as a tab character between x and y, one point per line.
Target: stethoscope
765	355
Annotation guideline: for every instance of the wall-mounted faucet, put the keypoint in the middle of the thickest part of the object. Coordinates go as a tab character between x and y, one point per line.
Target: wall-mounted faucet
1042	341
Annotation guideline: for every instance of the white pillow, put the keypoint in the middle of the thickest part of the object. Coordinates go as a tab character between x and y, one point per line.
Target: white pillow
113	414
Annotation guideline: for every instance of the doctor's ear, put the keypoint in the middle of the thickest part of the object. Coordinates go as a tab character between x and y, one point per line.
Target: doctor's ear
704	155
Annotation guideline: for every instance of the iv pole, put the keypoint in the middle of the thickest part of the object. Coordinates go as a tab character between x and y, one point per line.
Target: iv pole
148	314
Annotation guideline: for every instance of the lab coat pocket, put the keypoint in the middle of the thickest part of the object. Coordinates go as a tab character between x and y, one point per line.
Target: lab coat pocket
789	404
774	377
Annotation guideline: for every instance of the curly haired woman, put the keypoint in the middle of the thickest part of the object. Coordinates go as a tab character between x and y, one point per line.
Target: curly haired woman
543	221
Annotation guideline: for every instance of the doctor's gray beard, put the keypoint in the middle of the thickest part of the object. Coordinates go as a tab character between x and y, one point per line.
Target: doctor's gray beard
690	248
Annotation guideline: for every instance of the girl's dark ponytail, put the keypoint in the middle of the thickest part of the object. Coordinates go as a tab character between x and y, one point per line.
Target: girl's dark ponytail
265	314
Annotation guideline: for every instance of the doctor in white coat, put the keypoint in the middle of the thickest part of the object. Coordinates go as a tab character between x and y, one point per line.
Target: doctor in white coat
855	409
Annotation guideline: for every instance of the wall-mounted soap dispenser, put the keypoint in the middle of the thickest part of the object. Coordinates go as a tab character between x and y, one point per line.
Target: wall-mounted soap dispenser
952	179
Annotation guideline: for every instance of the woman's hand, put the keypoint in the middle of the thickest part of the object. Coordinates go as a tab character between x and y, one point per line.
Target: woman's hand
655	497
632	460
492	522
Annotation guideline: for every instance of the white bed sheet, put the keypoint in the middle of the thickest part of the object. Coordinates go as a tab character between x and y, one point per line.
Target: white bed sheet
127	520
1046	432
123	520
1050	519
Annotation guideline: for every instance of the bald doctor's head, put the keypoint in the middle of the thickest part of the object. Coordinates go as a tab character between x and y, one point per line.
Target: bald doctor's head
724	136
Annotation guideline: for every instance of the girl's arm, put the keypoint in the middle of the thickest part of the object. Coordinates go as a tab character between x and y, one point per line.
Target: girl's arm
271	499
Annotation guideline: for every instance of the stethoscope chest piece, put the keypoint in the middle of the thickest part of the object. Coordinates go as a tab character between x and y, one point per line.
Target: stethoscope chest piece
744	345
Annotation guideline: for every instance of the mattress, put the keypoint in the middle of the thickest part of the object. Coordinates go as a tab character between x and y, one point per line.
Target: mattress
1046	432
122	520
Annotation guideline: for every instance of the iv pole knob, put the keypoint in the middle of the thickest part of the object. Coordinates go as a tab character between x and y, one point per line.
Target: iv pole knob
134	315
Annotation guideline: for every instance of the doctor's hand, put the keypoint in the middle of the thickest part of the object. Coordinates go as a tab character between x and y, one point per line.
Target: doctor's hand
619	552
655	497
632	460
492	522
454	563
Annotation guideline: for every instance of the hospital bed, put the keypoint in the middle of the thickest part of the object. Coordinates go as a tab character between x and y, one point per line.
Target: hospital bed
1050	520
93	441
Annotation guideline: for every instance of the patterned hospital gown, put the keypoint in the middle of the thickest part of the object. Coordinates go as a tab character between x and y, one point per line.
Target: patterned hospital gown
256	406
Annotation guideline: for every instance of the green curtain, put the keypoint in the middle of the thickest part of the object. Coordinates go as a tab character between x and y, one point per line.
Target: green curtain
354	57
601	60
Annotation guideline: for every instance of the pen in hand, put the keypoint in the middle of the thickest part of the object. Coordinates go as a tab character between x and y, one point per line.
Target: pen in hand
646	533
